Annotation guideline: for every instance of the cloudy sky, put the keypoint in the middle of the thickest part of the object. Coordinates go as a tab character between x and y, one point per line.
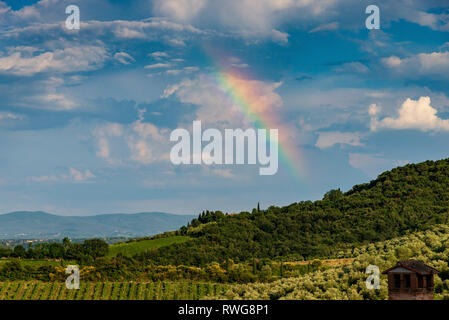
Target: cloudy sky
86	115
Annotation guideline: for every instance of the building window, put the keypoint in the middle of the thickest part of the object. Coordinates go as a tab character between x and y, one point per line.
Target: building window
420	281
429	281
407	280
397	280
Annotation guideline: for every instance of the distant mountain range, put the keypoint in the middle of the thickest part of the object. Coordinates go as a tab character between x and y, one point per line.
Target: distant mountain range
42	225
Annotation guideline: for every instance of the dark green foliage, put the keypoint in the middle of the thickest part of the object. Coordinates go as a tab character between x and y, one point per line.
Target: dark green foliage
19	251
96	248
5	252
405	199
86	252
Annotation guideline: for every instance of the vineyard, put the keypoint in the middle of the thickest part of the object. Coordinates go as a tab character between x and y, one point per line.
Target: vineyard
37	290
135	247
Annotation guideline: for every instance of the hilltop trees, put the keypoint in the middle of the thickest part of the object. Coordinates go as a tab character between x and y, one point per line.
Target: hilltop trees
89	250
96	248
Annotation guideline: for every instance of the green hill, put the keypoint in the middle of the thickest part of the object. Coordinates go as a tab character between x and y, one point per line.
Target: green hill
405	199
131	248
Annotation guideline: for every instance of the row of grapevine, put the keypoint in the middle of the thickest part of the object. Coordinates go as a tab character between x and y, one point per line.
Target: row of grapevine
164	290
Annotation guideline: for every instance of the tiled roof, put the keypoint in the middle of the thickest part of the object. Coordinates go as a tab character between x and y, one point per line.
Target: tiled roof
415	266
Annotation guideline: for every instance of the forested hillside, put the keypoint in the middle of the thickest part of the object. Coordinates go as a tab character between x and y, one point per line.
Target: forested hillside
405	199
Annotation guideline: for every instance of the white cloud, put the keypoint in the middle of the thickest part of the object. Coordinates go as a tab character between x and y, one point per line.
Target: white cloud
177	42
248	18
147	142
124	58
325	27
128	33
328	139
217	108
176	72
223	173
355	66
159	55
181	10
9	115
158	66
140	142
56	101
392	61
73	175
413	114
78	58
102	134
80	176
422	64
214	103
373	109
278	36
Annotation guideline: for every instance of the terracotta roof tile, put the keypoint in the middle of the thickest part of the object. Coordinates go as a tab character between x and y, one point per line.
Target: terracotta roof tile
417	266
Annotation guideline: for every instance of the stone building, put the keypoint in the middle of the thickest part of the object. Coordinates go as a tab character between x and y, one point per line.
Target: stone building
410	280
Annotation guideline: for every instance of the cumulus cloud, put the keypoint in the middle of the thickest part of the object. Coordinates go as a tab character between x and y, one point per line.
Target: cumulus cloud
329	139
256	18
216	107
422	64
247	18
56	101
146	143
413	114
103	134
139	142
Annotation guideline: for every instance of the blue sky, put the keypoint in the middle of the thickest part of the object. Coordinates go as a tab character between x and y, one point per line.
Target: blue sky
86	115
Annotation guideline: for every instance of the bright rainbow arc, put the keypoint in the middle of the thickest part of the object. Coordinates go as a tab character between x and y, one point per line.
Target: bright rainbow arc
243	94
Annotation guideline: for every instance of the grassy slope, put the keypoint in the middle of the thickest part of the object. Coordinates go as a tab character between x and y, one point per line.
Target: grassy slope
34	263
132	248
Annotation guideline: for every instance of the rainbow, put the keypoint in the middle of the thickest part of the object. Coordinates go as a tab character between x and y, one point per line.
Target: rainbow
244	94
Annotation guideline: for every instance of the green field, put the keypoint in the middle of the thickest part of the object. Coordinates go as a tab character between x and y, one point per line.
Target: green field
132	248
34	263
166	290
